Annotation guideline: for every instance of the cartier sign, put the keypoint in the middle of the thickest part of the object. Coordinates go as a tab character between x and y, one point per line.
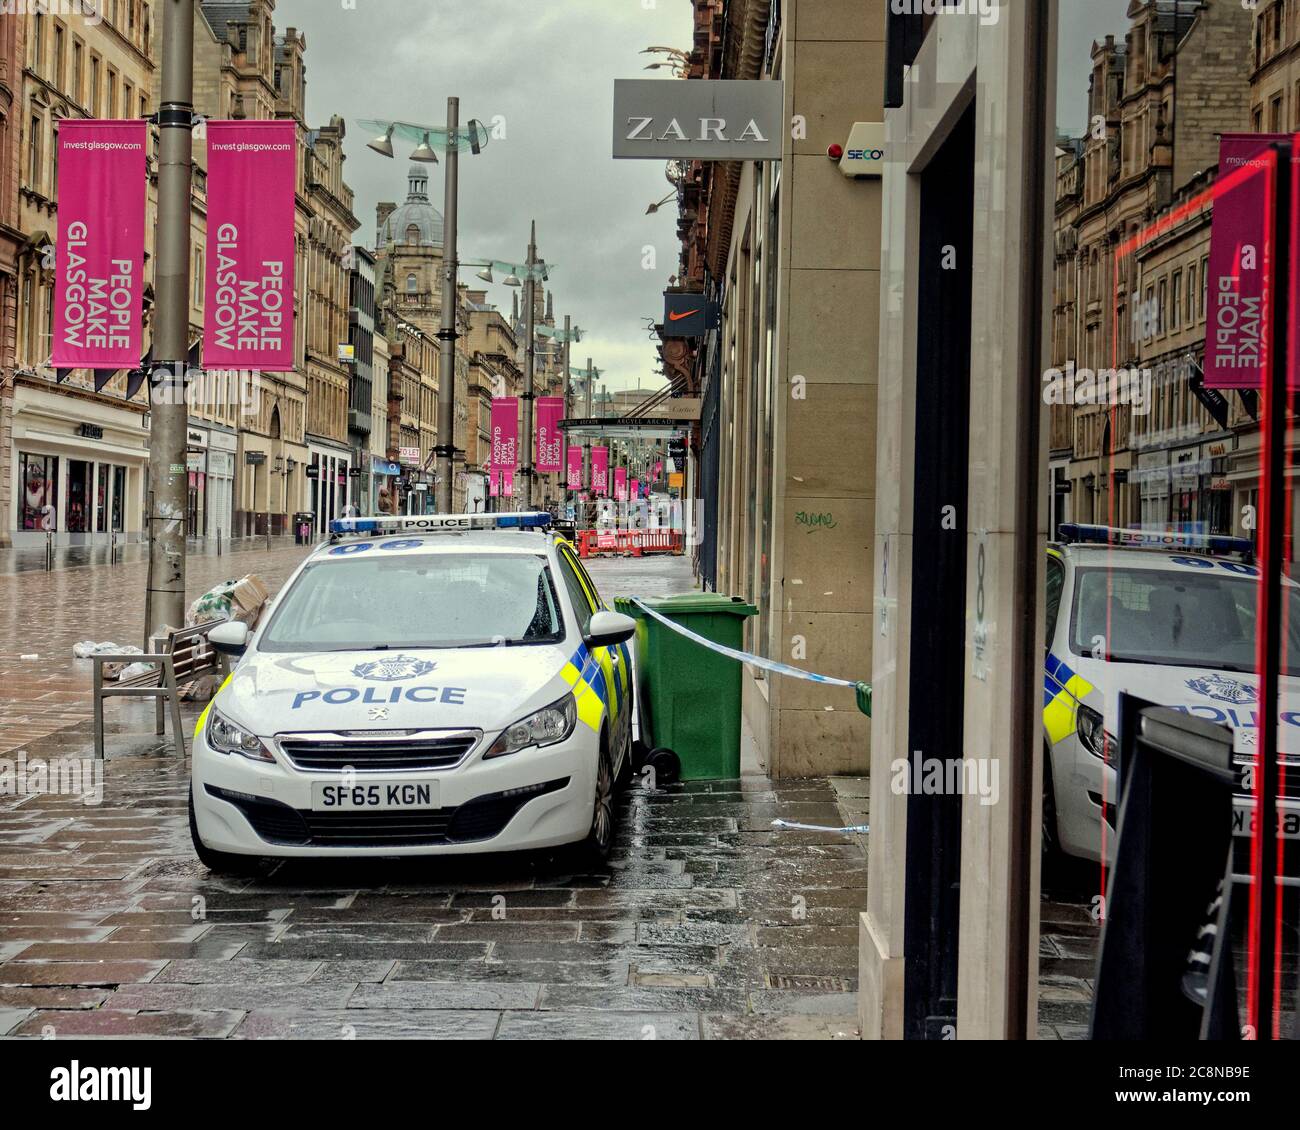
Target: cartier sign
699	119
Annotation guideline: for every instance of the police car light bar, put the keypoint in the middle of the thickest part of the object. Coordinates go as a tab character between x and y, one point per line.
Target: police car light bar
1076	532
441	523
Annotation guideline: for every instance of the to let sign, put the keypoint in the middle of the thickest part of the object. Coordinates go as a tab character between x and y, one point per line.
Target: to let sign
704	119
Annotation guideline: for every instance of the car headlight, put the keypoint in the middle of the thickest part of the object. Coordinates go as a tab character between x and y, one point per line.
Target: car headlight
549	725
225	737
1091	729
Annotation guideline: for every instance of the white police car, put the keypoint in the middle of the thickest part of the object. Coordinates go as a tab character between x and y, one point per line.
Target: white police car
420	686
1170	618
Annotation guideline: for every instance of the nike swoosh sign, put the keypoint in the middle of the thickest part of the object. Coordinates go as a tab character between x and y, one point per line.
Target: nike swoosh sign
683	314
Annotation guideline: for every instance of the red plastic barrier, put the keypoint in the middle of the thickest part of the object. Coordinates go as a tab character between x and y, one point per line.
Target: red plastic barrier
634	543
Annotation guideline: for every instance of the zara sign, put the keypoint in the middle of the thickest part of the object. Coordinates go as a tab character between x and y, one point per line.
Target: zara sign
699	119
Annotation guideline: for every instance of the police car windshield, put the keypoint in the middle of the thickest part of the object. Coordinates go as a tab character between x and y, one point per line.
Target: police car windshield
369	600
1191	618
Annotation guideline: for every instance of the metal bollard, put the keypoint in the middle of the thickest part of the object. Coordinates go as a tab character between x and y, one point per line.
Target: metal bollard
49	551
218	541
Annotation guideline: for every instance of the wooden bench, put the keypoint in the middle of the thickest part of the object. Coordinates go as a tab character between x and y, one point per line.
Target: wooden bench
177	658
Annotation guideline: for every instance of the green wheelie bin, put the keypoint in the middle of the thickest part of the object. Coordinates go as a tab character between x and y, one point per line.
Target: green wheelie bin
689	696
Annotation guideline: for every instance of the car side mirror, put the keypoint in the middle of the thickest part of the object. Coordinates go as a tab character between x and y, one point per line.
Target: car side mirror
230	637
606	628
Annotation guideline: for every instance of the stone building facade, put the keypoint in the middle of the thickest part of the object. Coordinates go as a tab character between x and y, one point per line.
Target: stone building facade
1156	104
491	348
789	382
76	454
329	242
12	57
409	254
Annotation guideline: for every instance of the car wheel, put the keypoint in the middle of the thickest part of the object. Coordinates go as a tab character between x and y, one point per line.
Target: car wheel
601	836
221	862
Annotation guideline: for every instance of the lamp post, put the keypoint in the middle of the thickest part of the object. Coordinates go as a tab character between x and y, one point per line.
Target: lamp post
168	480
450	140
530	357
445	450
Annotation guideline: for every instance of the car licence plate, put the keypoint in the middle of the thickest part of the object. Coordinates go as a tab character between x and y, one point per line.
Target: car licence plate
1243	821
327	796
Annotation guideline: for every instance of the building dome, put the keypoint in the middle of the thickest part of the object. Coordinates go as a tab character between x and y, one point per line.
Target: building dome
416	221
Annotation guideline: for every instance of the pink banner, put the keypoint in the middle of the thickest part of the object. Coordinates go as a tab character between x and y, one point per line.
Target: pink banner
659	469
550	440
505	433
636	488
494	483
248	313
620	484
508	483
599	472
575	469
1237	286
99	276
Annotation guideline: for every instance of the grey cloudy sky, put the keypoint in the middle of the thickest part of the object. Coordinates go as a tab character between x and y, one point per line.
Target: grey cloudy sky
548	68
1082	22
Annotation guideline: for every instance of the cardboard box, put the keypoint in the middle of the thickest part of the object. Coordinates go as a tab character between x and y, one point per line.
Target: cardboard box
250	593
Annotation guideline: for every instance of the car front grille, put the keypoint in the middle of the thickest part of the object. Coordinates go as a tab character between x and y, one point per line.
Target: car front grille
1289	772
478	819
374	751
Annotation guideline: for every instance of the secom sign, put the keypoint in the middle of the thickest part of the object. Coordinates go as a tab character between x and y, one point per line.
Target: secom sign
703	119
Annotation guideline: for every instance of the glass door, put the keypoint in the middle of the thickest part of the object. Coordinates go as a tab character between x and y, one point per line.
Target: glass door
80	480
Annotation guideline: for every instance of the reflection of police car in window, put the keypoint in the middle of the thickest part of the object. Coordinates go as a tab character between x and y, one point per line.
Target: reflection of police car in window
444	684
1170	618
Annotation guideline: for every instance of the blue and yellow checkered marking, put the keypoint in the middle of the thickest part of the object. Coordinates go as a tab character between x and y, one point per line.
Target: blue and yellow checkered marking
1063	689
597	683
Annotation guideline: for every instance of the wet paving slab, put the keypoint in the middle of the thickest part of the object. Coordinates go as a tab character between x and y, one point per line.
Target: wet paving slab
705	923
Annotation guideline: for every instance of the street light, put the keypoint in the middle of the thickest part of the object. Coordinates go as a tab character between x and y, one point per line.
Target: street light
383	144
451	140
424	152
655	207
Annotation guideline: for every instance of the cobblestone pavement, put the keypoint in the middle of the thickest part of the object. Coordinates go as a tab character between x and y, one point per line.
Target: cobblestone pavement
1067	962
43	614
707	922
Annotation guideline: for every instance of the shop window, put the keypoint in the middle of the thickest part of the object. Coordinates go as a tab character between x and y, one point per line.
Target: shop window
101	498
119	498
39	476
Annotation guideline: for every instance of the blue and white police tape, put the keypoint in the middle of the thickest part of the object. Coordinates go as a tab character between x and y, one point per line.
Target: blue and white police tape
848	829
863	690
